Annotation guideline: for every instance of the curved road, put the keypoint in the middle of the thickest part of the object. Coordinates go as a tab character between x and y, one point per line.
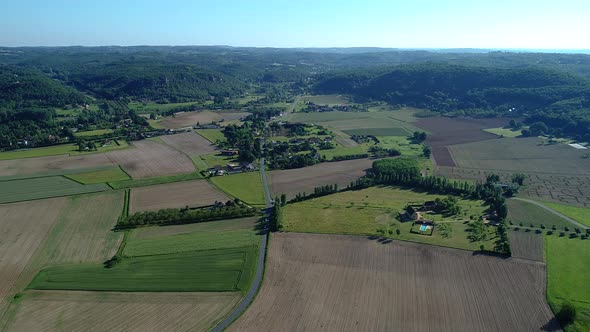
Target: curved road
578	224
243	305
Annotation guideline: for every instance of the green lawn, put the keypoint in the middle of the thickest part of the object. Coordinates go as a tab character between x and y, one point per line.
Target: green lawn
102	176
391	131
245	186
506	132
577	213
568	268
343	151
132	183
527	214
364	211
40	152
194	271
46	187
93	132
213	135
215	159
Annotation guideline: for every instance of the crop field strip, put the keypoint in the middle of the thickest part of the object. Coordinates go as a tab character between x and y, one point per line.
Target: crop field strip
245	186
101	176
338	283
195	193
294	181
188	119
526	245
558	188
112	311
190	143
53	164
47	187
24	227
149	159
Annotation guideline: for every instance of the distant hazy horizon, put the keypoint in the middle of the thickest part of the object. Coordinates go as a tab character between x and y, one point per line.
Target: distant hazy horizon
419	24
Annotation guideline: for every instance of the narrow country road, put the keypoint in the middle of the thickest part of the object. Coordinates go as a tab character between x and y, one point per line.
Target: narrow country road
578	224
243	305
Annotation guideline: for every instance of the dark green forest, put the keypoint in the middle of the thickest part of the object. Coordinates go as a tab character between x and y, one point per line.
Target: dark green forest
35	82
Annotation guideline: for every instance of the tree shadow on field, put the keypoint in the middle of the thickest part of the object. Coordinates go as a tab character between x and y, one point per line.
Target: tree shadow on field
552	325
260	227
382	240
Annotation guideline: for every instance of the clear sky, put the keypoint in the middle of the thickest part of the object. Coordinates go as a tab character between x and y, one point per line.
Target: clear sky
539	24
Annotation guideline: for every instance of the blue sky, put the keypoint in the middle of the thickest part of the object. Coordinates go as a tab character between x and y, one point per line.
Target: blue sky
539	24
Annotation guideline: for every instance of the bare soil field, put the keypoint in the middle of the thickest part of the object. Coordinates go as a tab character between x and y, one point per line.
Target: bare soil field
111	311
148	158
529	155
294	181
23	229
194	193
190	143
449	131
51	164
558	188
188	119
345	283
526	245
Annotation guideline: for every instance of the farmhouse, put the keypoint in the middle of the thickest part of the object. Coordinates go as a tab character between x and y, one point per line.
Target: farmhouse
233	167
409	214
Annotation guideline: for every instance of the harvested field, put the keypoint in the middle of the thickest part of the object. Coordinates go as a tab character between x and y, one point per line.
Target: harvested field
294	181
188	119
194	193
111	311
558	188
53	164
23	229
526	245
149	158
190	143
529	155
344	283
449	131
47	187
522	213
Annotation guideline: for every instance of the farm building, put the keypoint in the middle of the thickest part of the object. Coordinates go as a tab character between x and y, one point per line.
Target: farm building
409	214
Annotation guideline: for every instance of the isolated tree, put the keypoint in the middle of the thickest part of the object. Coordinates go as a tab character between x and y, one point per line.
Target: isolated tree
427	151
283	199
518	178
567	314
538	128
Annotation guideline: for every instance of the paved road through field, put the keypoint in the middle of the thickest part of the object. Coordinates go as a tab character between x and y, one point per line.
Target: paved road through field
578	224
243	305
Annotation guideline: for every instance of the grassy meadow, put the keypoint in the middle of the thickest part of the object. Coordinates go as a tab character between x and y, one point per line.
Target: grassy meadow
245	186
132	183
212	135
45	187
101	176
364	211
530	214
579	214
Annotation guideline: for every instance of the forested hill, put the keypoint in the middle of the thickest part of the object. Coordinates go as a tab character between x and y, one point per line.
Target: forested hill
23	88
559	99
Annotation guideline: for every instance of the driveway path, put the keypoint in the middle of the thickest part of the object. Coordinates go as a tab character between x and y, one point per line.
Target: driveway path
243	305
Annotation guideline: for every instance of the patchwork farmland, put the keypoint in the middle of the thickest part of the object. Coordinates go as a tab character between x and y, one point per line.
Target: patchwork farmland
188	119
149	158
196	193
294	181
46	187
338	283
53	164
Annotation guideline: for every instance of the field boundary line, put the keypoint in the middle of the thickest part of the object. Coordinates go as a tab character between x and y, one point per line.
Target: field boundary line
562	216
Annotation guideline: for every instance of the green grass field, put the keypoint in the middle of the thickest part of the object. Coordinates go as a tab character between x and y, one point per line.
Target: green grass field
213	135
40	152
395	131
579	214
46	187
245	186
343	151
506	132
215	159
154	180
213	270
527	214
568	268
362	212
330	100
212	256
93	132
102	176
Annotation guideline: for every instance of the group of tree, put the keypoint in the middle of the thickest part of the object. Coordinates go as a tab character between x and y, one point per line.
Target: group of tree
244	139
84	145
349	157
381	152
276	216
317	192
185	215
418	136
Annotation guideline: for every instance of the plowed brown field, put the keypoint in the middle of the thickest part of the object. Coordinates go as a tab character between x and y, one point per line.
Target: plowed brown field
305	179
23	229
52	164
526	245
190	143
149	158
110	311
347	283
175	195
188	119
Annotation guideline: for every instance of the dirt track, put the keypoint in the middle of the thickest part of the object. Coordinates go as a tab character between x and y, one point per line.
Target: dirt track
351	283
